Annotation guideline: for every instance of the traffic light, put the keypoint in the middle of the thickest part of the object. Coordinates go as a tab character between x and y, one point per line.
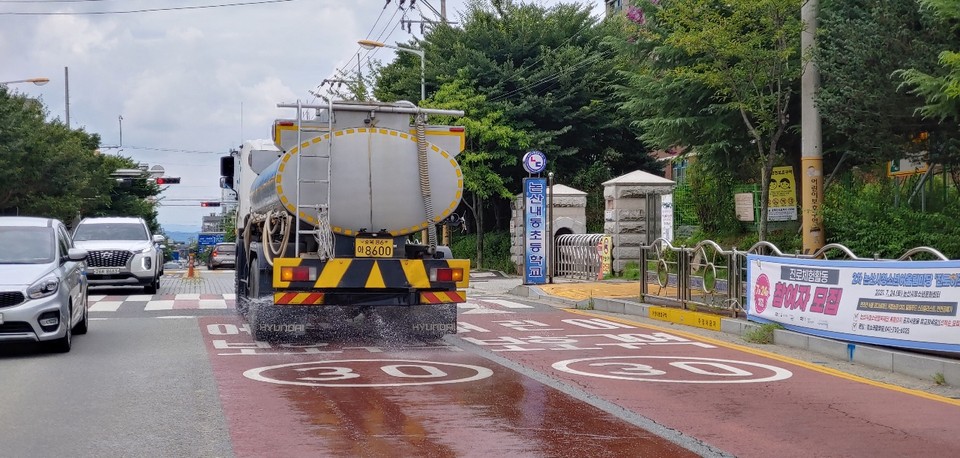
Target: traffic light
168	180
209	204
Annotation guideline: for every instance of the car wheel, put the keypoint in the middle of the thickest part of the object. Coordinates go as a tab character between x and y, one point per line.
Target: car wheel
82	325
63	344
152	287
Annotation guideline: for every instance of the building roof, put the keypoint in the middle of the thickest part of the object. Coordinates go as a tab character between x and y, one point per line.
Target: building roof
564	190
639	177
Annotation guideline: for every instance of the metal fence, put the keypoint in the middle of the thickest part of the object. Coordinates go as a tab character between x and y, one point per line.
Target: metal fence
577	256
706	275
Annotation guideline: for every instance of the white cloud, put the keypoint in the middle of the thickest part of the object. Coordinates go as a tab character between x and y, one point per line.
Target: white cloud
179	78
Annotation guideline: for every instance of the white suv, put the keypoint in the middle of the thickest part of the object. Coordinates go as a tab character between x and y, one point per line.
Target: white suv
121	252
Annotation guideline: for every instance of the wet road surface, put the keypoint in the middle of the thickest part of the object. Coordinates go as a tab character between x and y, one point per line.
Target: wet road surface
523	379
519	379
403	399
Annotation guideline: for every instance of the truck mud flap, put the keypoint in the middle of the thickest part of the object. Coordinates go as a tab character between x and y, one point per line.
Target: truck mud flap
271	322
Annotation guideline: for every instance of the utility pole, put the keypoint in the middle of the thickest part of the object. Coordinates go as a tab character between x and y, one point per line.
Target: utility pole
811	156
66	89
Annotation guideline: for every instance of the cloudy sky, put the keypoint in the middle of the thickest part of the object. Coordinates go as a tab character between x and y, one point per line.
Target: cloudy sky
190	83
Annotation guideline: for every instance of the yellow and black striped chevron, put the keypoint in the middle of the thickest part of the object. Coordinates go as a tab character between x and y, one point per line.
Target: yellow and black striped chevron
358	273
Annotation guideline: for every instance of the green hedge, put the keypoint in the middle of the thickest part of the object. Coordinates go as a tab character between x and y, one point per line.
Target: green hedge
868	218
496	250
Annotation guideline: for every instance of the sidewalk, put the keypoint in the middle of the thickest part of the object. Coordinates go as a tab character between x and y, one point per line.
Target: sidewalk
623	297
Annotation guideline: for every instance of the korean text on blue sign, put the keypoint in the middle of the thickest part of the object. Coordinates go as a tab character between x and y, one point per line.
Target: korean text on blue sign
535	218
207	239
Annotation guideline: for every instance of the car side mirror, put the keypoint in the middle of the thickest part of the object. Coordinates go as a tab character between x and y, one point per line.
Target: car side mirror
76	254
157	238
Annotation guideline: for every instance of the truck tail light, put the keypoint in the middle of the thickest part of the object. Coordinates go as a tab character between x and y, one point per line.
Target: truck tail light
298	273
446	274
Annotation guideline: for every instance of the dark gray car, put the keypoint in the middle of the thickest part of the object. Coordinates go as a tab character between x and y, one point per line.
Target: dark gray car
222	255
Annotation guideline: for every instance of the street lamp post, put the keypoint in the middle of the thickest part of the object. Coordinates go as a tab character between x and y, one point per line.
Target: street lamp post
370	44
37	81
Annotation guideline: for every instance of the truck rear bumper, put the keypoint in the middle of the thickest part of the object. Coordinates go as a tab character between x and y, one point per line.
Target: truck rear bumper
367	298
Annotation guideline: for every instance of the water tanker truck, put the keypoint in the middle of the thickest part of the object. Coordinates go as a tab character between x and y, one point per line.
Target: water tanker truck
336	220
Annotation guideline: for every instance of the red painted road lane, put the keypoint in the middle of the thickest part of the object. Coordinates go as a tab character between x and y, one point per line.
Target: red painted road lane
741	401
330	400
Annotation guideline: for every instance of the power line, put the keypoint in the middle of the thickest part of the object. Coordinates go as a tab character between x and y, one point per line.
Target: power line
145	10
553	77
172	150
341	71
51	1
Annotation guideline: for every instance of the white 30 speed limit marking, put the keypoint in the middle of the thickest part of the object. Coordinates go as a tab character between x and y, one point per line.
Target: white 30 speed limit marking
673	369
366	373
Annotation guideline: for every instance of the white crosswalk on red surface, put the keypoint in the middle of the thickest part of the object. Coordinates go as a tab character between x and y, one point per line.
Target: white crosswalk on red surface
101	303
161	302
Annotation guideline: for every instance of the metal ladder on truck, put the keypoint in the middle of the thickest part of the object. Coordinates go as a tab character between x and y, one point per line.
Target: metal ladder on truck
323	233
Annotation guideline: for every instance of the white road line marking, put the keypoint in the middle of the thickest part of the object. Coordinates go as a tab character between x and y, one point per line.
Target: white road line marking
508	304
174	317
140	298
230	296
105	306
478	311
96	298
181	297
213	304
159	305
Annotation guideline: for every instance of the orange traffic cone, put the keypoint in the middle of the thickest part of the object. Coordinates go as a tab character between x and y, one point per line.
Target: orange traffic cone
191	273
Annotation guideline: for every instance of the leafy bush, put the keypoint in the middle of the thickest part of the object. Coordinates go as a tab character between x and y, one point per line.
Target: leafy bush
862	214
711	191
762	334
631	271
496	250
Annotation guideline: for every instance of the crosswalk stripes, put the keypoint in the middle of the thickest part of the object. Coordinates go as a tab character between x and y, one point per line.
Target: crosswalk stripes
105	306
508	304
481	305
160	302
168	302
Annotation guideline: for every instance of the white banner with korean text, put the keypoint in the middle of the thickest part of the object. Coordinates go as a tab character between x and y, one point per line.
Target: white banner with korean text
909	304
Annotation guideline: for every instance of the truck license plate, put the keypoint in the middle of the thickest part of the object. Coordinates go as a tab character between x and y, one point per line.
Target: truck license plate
373	248
106	270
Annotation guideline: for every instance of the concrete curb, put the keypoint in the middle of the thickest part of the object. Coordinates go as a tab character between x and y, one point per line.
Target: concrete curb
920	366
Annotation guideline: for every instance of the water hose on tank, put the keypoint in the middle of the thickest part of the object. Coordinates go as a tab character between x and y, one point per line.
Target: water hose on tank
269	252
425	182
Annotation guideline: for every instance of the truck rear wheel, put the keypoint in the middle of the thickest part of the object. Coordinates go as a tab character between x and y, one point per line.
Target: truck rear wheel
256	304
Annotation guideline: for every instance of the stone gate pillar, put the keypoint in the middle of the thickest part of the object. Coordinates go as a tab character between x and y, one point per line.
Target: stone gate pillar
626	217
569	217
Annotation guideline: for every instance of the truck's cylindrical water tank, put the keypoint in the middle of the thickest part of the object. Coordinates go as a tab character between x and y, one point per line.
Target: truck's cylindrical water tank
375	182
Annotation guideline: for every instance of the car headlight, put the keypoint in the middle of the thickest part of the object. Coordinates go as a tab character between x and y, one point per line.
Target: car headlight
146	250
43	288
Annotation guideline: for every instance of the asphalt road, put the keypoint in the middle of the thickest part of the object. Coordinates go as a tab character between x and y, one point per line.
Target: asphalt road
130	387
178	374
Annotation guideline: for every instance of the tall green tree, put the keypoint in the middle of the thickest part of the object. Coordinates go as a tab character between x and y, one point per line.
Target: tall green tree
667	110
866	113
940	92
49	170
747	53
550	74
490	144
